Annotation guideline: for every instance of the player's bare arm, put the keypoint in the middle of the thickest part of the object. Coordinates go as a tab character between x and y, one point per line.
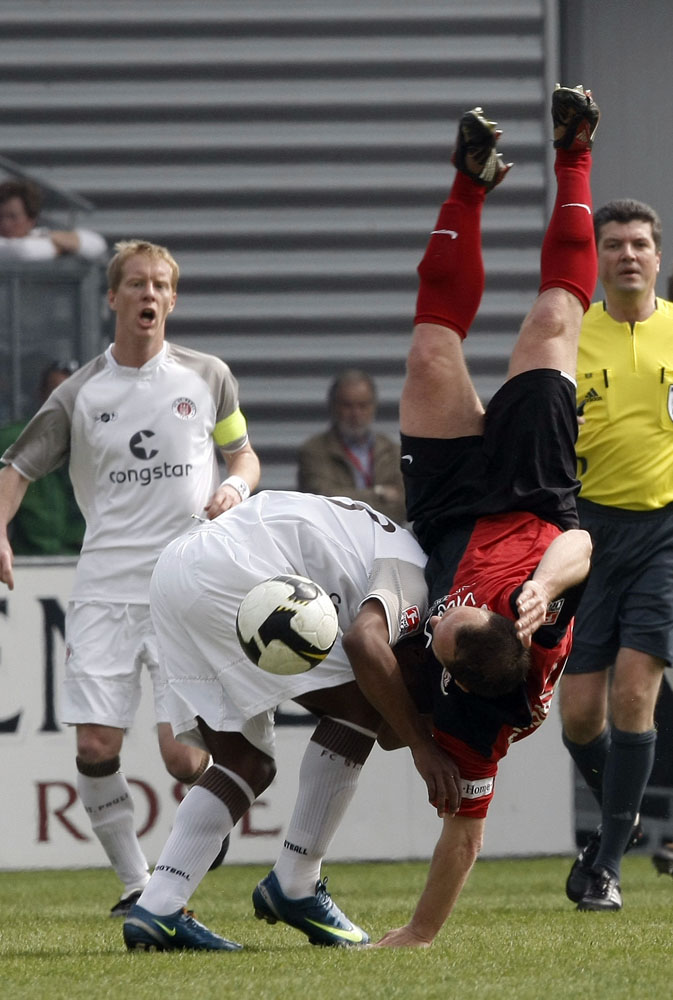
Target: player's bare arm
565	564
12	490
379	677
243	471
453	858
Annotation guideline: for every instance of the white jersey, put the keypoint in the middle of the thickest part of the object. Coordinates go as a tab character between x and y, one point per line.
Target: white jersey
351	550
141	444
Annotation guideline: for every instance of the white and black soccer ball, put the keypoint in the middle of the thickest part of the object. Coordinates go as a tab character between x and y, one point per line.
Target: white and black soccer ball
287	624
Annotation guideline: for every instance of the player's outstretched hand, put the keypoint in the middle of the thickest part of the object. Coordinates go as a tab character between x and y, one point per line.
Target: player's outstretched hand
531	605
402	937
441	776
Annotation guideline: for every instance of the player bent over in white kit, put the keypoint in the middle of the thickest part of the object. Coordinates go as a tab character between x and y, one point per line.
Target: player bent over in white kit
359	557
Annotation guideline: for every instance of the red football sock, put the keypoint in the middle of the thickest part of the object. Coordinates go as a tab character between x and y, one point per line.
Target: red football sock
568	257
452	269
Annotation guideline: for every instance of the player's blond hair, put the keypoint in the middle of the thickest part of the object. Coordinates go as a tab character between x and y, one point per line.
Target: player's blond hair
130	248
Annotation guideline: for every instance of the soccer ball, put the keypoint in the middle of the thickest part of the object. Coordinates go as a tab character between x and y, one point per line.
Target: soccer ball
287	624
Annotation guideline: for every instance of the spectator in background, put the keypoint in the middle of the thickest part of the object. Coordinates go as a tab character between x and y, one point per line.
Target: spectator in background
22	239
48	522
350	458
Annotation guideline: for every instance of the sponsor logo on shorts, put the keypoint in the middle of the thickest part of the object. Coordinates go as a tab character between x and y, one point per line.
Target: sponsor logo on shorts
477	789
553	611
410	619
184	408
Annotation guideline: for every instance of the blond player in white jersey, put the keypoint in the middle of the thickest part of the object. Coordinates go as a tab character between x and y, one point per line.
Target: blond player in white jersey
139	425
372	569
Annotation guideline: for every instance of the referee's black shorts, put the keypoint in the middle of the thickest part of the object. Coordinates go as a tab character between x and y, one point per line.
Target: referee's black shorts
628	599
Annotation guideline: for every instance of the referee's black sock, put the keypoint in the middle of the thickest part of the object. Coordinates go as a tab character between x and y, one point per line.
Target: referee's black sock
590	759
627	772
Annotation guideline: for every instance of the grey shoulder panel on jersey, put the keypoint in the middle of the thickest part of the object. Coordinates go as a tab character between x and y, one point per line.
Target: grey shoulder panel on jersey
213	370
400	587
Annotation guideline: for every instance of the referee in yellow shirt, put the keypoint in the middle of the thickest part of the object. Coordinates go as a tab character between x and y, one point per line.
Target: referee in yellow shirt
624	625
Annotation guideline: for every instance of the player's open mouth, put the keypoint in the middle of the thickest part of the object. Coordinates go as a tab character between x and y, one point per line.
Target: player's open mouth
148	315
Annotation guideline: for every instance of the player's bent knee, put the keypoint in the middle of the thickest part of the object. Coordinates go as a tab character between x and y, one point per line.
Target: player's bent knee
185	764
233	752
426	359
96	744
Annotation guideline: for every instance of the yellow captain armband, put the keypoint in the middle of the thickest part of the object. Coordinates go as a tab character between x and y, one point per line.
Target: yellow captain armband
230	430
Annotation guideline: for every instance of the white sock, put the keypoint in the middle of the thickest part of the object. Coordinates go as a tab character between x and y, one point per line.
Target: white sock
109	806
327	783
202	821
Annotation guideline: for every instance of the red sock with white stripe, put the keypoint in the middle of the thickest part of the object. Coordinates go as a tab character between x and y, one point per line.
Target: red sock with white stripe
452	269
568	258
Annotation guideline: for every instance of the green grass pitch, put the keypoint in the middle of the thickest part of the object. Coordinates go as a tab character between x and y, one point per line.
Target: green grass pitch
513	935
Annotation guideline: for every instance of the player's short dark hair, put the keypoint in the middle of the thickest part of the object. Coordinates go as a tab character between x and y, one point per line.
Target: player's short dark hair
28	191
490	660
625	210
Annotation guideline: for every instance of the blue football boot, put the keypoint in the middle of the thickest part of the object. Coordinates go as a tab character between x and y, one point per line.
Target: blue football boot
317	916
179	931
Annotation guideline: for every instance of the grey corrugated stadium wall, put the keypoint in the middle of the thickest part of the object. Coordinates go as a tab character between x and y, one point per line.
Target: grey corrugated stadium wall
293	157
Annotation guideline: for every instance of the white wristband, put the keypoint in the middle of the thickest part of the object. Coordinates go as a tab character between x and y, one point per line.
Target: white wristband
239	485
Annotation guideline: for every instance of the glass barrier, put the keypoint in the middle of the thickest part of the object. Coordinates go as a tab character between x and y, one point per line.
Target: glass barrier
49	311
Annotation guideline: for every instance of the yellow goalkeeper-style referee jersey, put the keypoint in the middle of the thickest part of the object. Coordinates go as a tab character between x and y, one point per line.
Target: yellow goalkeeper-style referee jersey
625	392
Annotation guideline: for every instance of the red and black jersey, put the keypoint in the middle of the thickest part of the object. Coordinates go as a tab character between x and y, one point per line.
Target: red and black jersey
502	552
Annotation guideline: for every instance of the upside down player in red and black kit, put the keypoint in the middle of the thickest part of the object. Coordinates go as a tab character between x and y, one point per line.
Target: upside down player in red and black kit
492	493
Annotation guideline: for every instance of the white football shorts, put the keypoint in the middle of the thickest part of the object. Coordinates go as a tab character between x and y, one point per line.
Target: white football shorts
107	645
198	584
